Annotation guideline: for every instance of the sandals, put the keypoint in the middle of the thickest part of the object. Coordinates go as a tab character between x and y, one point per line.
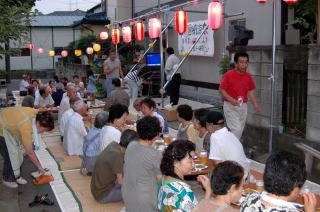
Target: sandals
42	199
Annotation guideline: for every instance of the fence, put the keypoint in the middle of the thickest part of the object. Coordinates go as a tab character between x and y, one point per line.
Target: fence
294	108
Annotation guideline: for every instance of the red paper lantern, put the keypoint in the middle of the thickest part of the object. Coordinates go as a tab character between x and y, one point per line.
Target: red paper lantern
154	28
126	34
215	11
115	36
30	46
64	53
181	21
262	1
103	35
40	51
290	1
139	31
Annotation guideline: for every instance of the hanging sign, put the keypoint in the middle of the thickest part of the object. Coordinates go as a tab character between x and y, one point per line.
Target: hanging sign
205	46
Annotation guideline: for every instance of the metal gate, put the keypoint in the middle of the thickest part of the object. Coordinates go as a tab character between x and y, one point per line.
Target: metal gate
294	108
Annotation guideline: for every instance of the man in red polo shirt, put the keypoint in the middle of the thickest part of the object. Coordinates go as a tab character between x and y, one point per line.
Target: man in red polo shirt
235	88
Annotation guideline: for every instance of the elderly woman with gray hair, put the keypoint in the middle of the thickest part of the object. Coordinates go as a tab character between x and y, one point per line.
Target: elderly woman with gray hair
91	144
75	130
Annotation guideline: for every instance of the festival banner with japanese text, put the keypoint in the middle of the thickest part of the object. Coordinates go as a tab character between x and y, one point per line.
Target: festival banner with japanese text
205	46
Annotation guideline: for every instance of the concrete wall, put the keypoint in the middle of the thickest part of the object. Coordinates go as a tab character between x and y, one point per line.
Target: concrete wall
42	37
119	9
313	108
69	70
260	67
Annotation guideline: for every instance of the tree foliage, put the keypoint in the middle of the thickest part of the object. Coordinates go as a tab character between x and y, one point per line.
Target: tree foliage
14	22
306	19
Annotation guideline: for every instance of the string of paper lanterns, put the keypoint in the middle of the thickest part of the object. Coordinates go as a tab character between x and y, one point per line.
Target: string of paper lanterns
215	19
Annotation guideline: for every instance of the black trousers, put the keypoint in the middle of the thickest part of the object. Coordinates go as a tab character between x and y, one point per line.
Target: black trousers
7	172
173	89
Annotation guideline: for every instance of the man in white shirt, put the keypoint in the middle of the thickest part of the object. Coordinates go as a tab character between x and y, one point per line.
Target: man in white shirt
75	130
66	115
44	99
173	88
23	86
224	145
65	105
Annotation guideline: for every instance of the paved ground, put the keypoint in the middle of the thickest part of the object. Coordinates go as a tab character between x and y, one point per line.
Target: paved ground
15	200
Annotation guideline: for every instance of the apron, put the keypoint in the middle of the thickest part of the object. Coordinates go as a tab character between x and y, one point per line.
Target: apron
15	148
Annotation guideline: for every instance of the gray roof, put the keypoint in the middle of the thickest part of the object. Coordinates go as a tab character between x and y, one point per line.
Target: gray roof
54	20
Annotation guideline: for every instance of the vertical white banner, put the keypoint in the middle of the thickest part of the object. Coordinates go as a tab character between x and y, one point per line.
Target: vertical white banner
205	46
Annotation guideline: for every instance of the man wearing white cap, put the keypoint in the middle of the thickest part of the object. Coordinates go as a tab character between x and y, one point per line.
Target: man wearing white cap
75	130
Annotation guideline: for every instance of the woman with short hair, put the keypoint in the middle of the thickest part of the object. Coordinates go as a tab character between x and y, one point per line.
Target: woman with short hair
175	194
227	186
142	168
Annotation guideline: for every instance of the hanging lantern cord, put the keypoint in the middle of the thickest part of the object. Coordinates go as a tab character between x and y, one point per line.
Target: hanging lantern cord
182	61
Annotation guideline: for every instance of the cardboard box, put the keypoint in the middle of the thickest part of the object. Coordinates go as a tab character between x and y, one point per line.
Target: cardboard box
171	114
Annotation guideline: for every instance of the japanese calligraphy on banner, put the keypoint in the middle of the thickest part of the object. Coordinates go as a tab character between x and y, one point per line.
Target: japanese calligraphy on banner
205	46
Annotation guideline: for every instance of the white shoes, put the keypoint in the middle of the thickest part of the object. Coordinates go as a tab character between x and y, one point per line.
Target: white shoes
10	184
21	181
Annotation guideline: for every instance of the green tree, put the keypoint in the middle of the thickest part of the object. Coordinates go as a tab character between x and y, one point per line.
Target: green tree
14	26
307	19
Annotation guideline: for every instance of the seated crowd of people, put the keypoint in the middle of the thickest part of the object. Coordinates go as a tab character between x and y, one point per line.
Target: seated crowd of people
126	166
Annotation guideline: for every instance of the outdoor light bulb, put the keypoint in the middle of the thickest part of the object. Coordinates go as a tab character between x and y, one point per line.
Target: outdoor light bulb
64	53
51	53
77	52
40	51
31	46
103	35
89	50
96	47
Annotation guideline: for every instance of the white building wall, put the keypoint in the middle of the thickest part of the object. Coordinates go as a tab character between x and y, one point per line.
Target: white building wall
205	69
119	9
42	37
